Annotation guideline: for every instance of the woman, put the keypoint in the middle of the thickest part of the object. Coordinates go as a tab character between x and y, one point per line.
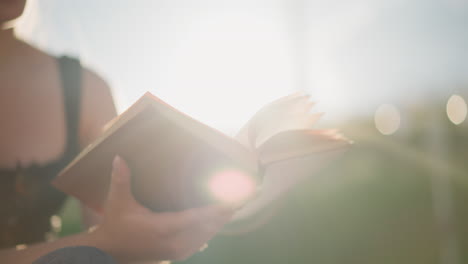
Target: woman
49	109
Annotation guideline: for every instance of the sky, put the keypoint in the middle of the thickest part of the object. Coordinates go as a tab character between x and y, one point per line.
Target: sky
220	61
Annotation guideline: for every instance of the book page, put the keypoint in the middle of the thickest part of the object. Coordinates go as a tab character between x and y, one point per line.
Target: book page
281	176
295	143
287	113
287	147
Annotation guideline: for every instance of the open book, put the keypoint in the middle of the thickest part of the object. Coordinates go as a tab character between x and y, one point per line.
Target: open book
179	163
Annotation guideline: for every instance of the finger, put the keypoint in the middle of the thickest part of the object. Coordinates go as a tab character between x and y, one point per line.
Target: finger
178	221
192	239
120	187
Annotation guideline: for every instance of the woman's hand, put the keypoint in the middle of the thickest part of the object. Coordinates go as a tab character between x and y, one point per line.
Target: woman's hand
131	232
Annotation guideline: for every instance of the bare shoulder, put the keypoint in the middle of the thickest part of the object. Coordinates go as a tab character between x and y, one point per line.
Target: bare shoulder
97	106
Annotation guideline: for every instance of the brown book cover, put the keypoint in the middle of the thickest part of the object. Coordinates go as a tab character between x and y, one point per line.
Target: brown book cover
175	159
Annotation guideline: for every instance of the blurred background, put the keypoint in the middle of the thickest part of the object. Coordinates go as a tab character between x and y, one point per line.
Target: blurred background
391	74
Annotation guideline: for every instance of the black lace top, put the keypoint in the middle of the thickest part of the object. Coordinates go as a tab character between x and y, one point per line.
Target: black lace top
27	200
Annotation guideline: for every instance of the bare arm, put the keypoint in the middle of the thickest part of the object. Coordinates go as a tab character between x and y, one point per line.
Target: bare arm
129	232
97	108
33	252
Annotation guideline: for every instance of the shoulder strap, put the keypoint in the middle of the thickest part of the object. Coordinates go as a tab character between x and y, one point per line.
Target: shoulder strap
71	77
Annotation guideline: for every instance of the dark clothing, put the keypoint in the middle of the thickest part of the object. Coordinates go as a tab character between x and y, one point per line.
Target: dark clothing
27	200
76	255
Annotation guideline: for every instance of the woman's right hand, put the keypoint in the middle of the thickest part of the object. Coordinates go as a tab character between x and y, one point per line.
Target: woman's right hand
131	232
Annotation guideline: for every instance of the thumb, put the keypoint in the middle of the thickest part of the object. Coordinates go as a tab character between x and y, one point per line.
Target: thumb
120	191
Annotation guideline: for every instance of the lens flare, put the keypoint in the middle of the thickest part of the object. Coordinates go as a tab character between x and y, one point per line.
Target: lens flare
456	109
232	186
387	119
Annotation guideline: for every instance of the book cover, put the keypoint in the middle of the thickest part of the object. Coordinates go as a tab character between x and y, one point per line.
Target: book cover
179	163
